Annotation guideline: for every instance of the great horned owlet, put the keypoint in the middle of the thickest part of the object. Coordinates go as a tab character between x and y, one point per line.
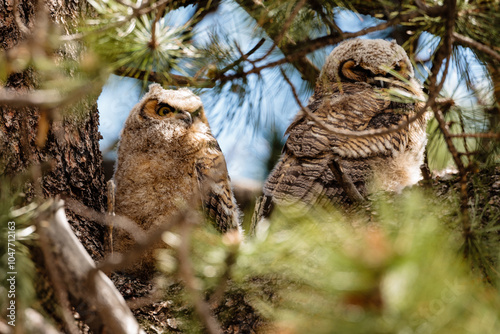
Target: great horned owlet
352	93
167	157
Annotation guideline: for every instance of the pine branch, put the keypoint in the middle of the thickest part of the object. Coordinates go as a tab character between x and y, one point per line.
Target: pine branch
476	45
444	53
306	68
344	180
475	135
173	79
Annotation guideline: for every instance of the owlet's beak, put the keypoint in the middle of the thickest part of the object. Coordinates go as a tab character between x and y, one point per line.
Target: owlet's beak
185	116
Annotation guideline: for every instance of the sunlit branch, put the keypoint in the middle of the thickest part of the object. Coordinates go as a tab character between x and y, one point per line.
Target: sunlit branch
244	57
475	135
476	45
344	180
173	79
186	273
43	98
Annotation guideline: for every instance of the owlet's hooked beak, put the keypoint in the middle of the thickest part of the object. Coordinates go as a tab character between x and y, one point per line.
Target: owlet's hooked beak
185	116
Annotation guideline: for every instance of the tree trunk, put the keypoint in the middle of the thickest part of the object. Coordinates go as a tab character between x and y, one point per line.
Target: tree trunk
59	156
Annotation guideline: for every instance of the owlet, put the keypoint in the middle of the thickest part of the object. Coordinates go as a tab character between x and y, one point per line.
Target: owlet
355	91
167	157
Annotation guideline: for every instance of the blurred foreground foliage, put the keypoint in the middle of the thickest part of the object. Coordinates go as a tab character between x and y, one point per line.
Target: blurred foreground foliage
395	266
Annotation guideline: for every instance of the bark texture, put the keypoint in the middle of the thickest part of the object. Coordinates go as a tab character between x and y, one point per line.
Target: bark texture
67	161
55	155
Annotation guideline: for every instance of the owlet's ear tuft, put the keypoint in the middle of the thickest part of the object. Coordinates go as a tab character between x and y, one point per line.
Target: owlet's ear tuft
155	87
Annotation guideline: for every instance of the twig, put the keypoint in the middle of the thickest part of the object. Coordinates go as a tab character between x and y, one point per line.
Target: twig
305	47
43	98
286	26
426	172
111	190
304	65
153	44
476	45
444	52
176	80
475	135
120	222
434	11
244	57
186	273
233	239
344	180
152	297
118	261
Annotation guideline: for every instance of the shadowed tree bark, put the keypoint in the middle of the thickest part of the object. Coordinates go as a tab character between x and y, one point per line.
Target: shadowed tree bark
58	155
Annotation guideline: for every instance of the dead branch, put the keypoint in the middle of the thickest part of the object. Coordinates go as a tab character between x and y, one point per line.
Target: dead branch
74	266
56	277
120	222
37	323
47	99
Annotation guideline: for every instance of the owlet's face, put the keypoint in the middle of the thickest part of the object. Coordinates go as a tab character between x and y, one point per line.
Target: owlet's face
165	111
179	108
378	63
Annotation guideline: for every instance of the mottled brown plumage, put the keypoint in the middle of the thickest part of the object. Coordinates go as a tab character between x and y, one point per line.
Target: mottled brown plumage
352	93
168	158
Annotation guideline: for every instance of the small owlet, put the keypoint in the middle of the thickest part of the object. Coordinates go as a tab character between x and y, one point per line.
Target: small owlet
353	93
166	157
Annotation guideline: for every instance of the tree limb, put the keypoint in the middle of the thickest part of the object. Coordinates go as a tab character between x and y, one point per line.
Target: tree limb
476	45
75	267
174	79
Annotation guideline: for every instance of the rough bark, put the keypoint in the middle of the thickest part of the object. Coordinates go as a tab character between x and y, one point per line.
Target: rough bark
69	160
63	161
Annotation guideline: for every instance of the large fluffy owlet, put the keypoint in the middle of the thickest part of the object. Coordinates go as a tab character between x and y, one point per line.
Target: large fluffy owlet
167	157
352	93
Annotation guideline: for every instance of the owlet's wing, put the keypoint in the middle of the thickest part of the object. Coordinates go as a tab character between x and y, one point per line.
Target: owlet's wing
217	197
306	170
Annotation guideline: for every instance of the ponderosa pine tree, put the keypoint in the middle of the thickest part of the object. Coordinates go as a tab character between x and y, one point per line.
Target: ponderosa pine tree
55	56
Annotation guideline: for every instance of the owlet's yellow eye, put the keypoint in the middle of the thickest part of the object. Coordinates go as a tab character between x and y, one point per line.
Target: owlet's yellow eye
164	110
